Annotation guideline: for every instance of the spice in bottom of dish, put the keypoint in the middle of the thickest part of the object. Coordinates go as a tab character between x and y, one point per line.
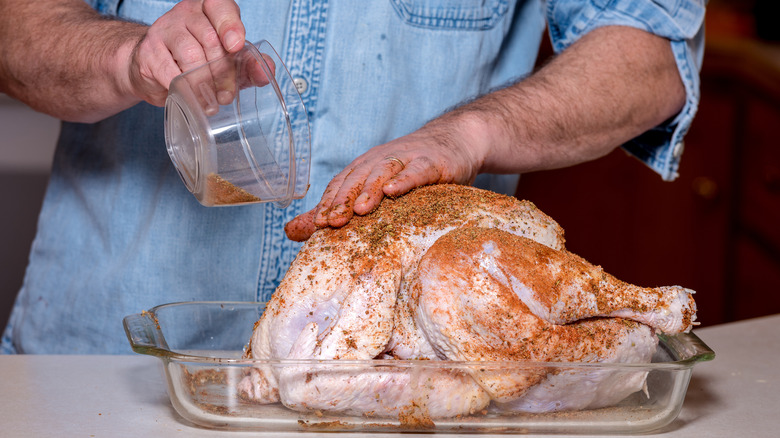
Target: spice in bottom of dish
220	191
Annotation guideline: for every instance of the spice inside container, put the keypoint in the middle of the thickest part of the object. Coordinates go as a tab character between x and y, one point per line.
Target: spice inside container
220	191
237	131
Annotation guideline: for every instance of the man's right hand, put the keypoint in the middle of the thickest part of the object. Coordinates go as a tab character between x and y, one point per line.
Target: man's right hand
192	33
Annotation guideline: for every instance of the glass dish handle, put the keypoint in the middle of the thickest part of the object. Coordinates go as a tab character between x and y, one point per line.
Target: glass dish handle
689	347
143	332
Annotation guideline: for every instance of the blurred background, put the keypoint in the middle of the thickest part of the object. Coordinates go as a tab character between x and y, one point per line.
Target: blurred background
716	229
27	141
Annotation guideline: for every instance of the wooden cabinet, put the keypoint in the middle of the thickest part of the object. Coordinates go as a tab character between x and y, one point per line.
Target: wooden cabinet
716	229
760	170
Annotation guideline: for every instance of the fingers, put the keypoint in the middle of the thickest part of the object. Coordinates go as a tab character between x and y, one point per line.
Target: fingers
388	180
211	29
393	169
259	71
223	72
419	172
225	17
301	227
373	191
437	153
191	34
336	207
219	31
195	45
361	187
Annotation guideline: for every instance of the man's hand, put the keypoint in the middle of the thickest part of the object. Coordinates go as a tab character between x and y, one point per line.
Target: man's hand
192	33
440	152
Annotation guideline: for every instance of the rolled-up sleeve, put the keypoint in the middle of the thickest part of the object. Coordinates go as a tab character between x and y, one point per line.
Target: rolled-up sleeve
680	21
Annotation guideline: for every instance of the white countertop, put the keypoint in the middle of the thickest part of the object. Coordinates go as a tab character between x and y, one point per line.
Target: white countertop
736	395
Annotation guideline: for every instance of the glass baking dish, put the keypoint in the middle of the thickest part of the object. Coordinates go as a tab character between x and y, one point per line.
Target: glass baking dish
201	345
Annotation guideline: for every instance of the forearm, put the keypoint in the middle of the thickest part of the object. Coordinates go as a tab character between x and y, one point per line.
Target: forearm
612	85
62	58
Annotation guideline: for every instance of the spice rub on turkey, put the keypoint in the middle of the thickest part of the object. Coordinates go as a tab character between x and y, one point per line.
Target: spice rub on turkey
451	272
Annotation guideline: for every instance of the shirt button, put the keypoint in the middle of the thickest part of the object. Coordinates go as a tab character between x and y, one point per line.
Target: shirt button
301	85
678	150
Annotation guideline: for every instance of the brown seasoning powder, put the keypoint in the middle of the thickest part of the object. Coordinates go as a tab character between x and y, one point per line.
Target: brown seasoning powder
220	191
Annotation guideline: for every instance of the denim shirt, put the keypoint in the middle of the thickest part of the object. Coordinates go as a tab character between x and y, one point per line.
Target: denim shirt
119	233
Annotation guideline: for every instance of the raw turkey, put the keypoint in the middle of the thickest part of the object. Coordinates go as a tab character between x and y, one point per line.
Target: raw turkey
453	273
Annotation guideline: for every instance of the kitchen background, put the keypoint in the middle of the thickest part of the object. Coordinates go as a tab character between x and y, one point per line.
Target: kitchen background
716	229
27	140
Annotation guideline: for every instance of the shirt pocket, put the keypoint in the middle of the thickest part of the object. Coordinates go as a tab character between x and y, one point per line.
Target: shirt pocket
451	14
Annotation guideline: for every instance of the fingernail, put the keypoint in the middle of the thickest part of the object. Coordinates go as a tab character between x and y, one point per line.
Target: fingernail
232	40
362	199
224	97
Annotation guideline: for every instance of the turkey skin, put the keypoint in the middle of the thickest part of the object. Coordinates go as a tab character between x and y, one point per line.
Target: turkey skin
453	273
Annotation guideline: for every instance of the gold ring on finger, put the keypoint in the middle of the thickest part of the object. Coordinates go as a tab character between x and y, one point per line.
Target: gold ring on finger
397	160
